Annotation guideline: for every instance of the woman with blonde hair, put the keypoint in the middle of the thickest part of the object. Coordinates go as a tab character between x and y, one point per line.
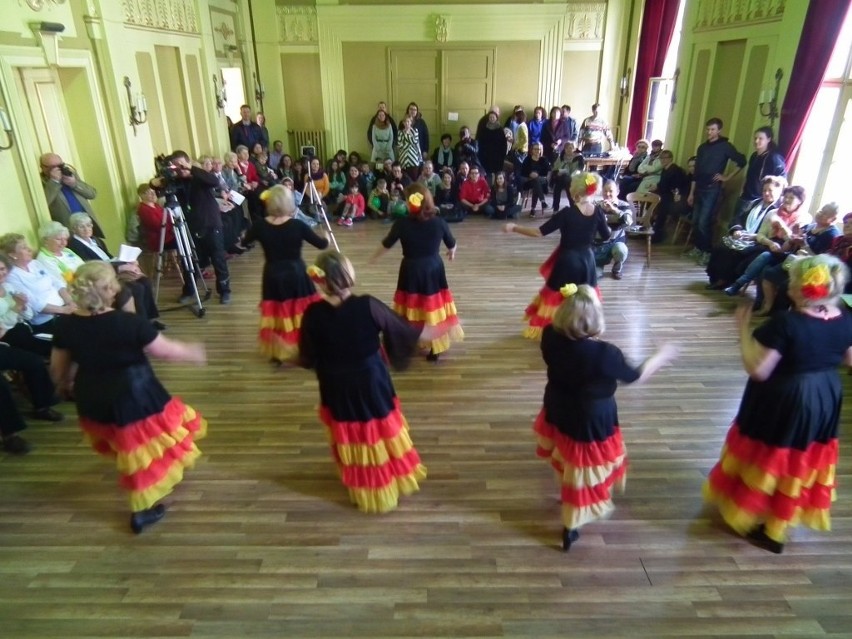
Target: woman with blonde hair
123	409
778	464
286	291
573	260
344	338
577	428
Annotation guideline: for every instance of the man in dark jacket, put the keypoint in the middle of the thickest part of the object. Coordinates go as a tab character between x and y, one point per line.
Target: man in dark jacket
247	132
711	162
196	195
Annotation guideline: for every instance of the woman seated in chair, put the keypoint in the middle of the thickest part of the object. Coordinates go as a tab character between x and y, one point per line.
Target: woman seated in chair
740	245
819	237
503	203
130	275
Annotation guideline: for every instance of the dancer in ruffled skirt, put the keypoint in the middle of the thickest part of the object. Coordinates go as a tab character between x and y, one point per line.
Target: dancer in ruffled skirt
287	291
345	338
577	429
423	296
123	409
573	260
778	464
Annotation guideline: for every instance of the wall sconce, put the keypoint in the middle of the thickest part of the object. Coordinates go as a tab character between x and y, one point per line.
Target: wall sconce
624	86
259	92
769	99
48	34
7	127
138	108
221	96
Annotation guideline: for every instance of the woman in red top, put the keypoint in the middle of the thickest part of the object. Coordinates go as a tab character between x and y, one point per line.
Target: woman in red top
150	215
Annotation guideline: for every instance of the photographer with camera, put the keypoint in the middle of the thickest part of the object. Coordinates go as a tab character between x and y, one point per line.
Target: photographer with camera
65	192
195	191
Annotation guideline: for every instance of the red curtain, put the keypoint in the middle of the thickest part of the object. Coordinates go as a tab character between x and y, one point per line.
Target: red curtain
823	23
658	25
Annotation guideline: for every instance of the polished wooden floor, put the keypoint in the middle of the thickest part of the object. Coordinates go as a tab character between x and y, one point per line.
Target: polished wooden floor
260	541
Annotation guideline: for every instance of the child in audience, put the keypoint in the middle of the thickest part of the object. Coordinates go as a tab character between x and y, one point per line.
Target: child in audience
367	179
577	428
377	204
336	182
446	198
353	205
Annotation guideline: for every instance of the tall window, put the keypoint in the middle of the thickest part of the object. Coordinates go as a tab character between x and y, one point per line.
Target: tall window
825	163
659	105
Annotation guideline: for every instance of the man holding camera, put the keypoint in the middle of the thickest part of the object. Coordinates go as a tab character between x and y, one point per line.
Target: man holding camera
65	192
195	189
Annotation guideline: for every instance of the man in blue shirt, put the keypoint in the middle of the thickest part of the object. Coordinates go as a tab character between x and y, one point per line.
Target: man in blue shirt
65	192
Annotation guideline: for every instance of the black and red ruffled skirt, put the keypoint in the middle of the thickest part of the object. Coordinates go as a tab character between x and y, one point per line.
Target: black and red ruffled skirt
287	293
423	297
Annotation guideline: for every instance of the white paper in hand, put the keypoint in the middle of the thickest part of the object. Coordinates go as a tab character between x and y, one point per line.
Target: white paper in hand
128	253
237	198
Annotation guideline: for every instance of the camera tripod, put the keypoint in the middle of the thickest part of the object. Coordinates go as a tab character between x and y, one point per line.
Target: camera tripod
186	250
313	198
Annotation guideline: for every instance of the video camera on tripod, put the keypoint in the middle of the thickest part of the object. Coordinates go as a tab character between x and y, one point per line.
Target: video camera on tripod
168	175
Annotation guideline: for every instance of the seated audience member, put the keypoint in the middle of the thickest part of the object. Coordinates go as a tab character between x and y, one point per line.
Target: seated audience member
739	247
534	172
444	155
231	174
340	158
354	159
285	167
11	422
300	172
671	189
619	217
778	227
40	388
90	248
151	217
15	330
46	296
462	172
366	179
265	175
353	206
336	183
298	197
841	248
387	170
819	237
377	203
428	178
397	181
58	260
446	198
503	203
567	164
474	193
631	178
319	178
650	168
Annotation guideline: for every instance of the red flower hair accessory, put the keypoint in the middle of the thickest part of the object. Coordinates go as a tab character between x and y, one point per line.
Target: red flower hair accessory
591	184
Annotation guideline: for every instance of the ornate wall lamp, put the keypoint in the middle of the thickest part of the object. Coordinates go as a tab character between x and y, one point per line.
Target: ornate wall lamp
6	124
221	96
769	99
138	108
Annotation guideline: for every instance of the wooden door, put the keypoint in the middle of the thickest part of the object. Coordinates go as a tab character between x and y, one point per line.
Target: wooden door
47	111
468	88
415	77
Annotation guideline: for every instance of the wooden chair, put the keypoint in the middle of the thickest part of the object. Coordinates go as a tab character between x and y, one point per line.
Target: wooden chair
687	225
644	205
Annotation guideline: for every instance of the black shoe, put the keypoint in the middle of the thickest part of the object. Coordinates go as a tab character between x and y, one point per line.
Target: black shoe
716	286
432	357
48	415
225	298
143	518
158	325
762	540
569	536
236	250
16	445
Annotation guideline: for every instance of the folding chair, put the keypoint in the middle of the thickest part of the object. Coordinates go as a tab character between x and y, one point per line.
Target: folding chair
644	205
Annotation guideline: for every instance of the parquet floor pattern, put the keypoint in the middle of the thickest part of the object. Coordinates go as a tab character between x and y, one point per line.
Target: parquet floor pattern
260	540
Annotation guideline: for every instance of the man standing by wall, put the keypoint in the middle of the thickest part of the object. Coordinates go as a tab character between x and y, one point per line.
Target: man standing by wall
65	192
593	132
705	193
247	132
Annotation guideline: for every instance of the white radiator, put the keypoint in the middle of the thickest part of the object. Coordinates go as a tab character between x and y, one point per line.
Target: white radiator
311	143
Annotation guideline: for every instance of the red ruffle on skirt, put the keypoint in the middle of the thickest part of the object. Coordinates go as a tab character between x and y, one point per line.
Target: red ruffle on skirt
151	454
280	322
755	483
588	471
376	459
437	309
541	310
